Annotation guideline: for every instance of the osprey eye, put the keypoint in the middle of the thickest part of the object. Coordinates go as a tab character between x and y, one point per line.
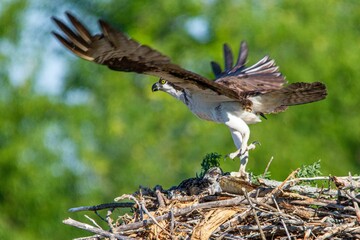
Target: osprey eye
163	81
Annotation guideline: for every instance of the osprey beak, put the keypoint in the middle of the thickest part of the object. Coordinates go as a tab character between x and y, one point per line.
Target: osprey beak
155	87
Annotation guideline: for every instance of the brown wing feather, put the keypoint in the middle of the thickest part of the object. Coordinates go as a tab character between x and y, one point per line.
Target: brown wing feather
262	77
117	51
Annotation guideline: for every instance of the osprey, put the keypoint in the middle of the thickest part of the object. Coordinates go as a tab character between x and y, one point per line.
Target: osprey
238	96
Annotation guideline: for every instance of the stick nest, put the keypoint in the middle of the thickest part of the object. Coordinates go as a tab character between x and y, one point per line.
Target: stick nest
219	206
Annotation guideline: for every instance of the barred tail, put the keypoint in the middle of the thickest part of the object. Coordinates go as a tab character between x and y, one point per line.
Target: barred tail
301	93
293	94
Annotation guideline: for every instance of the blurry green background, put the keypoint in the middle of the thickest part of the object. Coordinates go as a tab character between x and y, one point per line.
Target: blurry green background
73	133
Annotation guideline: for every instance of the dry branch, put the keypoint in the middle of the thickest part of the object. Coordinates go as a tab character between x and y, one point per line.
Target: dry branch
92	229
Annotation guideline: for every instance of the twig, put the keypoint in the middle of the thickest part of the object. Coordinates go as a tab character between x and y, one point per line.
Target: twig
355	202
296	180
264	205
346	183
267	166
275	191
109	219
172	222
334	213
320	178
93	221
352	196
274	211
255	215
302	189
159	196
282	220
94	237
333	231
307	234
128	196
324	203
268	228
356	207
152	217
92	229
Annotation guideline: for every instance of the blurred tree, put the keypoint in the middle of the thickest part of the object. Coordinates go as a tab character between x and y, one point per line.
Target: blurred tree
73	133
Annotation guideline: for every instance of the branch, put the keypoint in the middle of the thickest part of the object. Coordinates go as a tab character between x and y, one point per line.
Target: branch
92	229
255	215
302	189
333	231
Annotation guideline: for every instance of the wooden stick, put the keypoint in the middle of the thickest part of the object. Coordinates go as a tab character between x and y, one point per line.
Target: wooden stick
159	196
302	189
267	166
333	231
152	217
93	221
282	220
94	237
276	190
92	229
255	215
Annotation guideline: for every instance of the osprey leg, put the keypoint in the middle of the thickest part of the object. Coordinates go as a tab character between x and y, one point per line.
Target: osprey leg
240	133
243	155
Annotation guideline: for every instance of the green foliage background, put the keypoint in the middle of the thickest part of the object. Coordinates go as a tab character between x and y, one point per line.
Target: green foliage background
100	133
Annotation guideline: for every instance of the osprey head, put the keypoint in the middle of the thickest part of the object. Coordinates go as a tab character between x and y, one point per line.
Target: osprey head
163	85
170	88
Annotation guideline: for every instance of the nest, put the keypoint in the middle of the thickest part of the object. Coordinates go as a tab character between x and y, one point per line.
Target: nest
219	206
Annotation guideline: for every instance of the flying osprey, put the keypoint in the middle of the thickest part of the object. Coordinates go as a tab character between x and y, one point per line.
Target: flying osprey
238	96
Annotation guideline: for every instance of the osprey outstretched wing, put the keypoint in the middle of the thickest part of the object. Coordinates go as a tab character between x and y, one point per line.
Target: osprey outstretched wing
237	97
121	53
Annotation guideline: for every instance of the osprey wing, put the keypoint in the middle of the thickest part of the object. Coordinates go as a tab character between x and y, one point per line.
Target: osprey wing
121	53
262	77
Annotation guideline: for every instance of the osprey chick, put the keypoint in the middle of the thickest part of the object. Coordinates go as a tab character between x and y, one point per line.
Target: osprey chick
238	96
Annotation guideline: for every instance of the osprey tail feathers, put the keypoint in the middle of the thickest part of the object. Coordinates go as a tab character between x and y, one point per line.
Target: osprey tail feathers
301	93
293	94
